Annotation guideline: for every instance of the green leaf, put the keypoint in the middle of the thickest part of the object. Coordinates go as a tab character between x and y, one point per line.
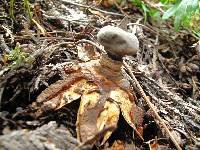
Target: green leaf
177	22
164	1
184	12
197	32
145	9
28	10
142	5
17	57
155	14
11	10
170	12
137	2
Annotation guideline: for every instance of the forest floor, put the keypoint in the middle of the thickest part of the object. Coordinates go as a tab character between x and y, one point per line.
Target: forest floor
38	58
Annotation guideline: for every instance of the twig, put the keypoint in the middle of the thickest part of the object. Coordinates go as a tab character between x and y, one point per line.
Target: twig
4	70
92	43
3	45
90	7
9	32
120	9
143	95
84	22
138	24
1	93
13	98
27	37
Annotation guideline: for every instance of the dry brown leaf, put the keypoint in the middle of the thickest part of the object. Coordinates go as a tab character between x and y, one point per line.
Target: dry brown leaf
117	145
108	3
154	145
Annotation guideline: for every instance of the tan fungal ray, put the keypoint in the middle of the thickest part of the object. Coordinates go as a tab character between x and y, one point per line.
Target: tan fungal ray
126	103
108	117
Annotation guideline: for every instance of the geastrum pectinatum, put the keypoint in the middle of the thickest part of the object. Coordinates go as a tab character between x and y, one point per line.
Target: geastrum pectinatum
100	85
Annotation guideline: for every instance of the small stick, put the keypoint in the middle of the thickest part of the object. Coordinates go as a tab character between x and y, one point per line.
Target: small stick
142	25
89	7
143	95
92	43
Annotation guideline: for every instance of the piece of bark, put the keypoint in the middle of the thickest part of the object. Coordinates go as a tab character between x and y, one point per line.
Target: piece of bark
183	115
48	136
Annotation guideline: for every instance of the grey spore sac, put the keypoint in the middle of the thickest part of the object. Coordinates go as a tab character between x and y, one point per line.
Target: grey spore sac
118	42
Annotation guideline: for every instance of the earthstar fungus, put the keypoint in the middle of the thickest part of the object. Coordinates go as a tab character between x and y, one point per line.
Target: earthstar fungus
100	85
